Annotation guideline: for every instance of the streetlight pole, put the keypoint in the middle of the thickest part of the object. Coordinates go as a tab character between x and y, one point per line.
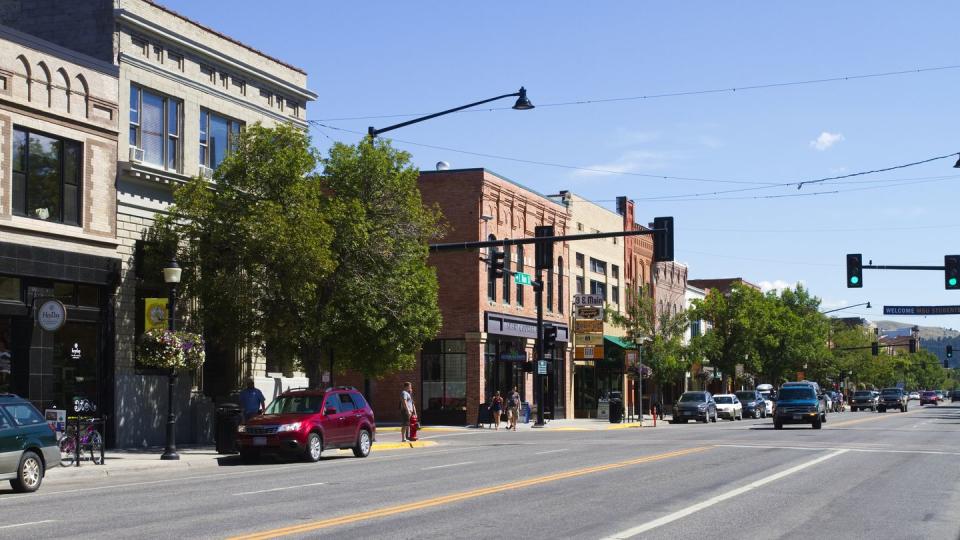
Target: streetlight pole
171	275
522	104
847	307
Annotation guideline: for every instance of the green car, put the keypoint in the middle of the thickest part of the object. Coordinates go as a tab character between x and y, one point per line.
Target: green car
28	445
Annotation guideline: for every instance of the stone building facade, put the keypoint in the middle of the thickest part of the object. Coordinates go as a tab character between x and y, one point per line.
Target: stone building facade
185	91
59	121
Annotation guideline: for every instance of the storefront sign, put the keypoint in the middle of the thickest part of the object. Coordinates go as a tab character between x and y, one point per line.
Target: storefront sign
589	312
155	313
512	356
51	315
588	352
588	326
631	357
510	325
57	420
588	300
581	339
75	352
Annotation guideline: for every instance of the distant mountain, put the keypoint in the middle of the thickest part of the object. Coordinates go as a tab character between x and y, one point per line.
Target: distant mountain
926	332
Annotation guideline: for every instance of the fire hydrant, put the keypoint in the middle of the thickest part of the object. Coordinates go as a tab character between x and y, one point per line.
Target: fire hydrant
414	423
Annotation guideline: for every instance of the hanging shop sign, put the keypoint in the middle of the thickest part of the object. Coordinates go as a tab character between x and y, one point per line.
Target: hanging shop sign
588	326
51	315
588	352
589	312
155	313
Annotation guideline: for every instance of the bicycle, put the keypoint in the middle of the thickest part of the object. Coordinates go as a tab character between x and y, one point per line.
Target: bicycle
90	439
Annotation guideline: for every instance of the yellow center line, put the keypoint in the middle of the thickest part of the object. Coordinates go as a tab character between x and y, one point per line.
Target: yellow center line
880	416
461	496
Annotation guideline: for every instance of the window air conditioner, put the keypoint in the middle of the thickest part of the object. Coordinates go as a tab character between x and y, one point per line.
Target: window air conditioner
136	154
206	172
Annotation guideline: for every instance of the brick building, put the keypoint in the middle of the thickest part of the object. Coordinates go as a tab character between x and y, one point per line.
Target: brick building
489	325
58	159
184	91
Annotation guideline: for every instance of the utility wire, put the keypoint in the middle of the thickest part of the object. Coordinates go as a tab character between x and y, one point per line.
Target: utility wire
683	93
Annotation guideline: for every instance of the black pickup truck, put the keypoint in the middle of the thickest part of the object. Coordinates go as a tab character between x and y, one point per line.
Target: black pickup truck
893	398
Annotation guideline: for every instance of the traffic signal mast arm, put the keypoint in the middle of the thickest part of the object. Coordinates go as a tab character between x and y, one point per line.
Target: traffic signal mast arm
461	246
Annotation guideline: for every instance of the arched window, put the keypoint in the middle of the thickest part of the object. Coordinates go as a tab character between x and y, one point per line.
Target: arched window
520	269
491	280
561	300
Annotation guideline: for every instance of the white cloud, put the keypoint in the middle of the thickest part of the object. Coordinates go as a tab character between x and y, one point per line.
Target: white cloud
826	140
630	161
778	285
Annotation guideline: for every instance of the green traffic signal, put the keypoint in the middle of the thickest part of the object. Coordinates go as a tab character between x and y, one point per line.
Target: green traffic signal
952	282
854	280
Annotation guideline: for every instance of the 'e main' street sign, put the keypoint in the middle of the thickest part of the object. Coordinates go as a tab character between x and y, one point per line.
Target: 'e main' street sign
522	279
921	310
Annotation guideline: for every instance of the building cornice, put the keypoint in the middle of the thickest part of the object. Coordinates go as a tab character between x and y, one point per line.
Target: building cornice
46	47
248	70
185	81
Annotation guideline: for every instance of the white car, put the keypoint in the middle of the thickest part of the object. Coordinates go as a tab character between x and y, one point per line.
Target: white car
914	395
766	390
728	406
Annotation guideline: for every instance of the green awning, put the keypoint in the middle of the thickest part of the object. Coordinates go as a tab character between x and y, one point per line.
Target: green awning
620	342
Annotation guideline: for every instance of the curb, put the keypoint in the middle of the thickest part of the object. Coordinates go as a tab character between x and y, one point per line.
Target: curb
396	429
403	445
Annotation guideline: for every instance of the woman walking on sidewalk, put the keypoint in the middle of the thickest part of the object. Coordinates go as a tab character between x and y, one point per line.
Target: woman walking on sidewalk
513	409
496	408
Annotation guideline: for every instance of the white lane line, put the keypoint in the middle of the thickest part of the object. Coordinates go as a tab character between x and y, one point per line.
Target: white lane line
447	465
669	518
280	488
550	451
28	524
867	450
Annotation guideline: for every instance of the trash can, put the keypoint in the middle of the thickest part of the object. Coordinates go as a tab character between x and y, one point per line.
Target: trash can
484	416
228	418
525	412
616	408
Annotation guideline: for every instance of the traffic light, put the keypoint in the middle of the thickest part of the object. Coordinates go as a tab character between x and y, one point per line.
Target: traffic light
875	348
951	272
497	264
913	345
663	239
949	351
549	338
854	271
543	249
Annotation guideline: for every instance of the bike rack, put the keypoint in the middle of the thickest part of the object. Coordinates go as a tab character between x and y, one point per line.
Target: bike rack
86	422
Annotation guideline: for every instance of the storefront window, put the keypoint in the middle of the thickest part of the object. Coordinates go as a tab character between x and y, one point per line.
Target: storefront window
6	356
10	289
444	375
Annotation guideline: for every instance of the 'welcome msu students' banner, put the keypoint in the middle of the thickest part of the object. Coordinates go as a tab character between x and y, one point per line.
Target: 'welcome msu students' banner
155	313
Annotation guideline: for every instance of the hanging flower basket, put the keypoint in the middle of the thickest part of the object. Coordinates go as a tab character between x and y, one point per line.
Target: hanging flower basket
172	350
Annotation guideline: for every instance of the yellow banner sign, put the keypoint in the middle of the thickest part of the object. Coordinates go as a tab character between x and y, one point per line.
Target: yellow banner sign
588	326
154	313
580	338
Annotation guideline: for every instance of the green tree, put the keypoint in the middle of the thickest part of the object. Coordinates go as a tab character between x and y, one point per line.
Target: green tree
380	306
255	244
661	336
734	321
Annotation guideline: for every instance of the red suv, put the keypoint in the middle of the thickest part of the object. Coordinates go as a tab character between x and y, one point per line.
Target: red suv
305	422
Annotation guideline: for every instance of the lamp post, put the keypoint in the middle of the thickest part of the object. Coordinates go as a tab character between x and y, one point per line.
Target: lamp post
171	276
522	104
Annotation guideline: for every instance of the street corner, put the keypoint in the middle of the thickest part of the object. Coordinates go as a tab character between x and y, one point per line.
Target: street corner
406	445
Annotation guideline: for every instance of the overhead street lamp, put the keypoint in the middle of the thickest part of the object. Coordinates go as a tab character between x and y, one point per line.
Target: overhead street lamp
847	307
171	276
522	104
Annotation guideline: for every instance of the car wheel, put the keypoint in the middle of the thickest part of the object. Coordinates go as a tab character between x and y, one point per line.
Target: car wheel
29	473
777	424
313	448
817	423
853	409
756	414
362	449
824	417
716	416
706	418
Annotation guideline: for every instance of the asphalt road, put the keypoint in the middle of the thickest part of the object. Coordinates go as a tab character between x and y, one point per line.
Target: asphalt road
865	475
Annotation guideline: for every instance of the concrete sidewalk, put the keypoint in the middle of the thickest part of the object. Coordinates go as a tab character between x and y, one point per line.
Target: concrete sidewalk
198	458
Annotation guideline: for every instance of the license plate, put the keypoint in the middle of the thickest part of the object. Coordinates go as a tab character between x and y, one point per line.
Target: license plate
796	417
259	441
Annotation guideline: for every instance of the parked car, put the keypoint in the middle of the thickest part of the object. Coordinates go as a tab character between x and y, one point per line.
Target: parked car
892	398
954	396
863	399
766	390
306	422
753	403
940	395
695	406
28	445
929	397
728	406
914	395
799	404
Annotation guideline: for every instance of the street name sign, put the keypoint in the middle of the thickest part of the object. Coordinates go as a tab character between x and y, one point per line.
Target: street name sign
588	300
522	279
921	310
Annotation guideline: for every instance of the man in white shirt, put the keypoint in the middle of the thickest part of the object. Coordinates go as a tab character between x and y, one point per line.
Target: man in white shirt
407	409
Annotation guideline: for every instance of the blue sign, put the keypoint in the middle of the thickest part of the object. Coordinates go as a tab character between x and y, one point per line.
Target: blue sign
513	357
921	310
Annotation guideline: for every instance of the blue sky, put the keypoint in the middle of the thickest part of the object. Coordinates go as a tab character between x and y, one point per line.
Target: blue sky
384	58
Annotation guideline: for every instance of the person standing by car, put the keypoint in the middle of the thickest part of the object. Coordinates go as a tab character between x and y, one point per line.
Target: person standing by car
407	410
513	408
252	401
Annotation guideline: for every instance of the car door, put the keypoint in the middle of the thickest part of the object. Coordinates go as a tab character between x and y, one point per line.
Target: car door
9	446
332	421
350	417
